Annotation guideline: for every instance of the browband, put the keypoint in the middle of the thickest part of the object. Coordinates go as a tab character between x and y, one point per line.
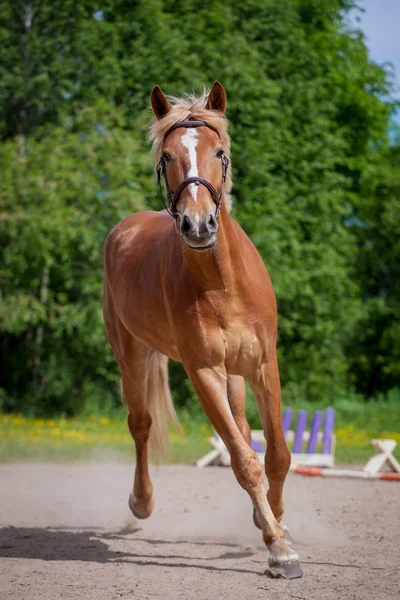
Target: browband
190	124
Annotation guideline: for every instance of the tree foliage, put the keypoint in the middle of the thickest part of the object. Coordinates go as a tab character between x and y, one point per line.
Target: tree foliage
316	182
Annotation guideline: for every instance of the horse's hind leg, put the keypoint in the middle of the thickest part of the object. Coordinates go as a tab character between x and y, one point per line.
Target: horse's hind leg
134	384
147	394
277	457
236	397
133	361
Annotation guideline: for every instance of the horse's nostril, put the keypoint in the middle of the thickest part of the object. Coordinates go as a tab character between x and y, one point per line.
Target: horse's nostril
212	224
186	225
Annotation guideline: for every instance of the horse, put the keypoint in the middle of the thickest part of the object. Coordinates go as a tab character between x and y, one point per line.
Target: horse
186	283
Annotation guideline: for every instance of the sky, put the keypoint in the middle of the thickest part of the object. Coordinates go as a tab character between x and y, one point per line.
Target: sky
381	26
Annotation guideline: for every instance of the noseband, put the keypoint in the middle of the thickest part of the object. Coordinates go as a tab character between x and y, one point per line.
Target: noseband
173	197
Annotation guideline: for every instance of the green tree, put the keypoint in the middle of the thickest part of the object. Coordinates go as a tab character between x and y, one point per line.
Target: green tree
60	196
374	349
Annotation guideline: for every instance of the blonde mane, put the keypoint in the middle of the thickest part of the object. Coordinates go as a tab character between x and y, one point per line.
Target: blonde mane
192	108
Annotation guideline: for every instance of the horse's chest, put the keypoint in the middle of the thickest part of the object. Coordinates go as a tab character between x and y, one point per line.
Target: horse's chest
242	339
218	330
242	346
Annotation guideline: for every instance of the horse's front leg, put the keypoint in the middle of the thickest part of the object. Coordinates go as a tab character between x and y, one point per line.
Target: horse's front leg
210	385
277	457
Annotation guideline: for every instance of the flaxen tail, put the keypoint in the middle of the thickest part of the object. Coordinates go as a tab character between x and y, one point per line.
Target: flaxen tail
159	404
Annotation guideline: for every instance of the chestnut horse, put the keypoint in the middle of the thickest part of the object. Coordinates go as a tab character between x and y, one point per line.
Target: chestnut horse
193	288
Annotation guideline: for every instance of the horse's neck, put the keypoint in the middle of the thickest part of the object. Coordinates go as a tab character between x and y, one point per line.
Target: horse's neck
220	267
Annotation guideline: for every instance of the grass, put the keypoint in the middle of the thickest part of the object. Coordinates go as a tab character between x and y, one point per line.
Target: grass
85	438
101	438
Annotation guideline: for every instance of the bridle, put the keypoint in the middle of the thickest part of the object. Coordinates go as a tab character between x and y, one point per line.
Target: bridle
173	197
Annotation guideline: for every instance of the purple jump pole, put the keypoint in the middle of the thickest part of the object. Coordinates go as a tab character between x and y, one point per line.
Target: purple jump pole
300	429
328	430
315	427
286	419
257	446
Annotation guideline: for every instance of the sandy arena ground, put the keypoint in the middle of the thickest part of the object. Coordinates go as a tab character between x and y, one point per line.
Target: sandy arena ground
66	532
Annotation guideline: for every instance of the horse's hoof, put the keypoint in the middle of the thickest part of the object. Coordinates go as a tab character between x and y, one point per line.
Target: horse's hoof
255	519
141	510
283	561
289	570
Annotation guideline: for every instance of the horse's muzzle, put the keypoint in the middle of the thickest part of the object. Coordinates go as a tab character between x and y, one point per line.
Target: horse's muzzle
199	234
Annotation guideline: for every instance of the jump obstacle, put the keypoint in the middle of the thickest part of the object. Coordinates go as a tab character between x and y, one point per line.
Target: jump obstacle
313	440
312	463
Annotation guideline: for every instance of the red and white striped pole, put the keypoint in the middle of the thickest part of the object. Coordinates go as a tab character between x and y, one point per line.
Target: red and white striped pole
317	472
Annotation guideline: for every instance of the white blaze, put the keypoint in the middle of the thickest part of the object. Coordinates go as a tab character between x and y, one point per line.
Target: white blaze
190	141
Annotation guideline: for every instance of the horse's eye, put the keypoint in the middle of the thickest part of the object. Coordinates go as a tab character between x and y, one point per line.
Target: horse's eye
220	153
167	157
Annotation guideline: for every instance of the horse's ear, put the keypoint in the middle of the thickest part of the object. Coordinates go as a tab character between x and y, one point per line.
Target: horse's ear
159	103
217	98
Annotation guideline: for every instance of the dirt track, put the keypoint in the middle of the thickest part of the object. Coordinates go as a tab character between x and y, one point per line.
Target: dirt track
66	532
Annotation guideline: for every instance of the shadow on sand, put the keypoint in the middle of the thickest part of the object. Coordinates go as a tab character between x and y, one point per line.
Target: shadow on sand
91	546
